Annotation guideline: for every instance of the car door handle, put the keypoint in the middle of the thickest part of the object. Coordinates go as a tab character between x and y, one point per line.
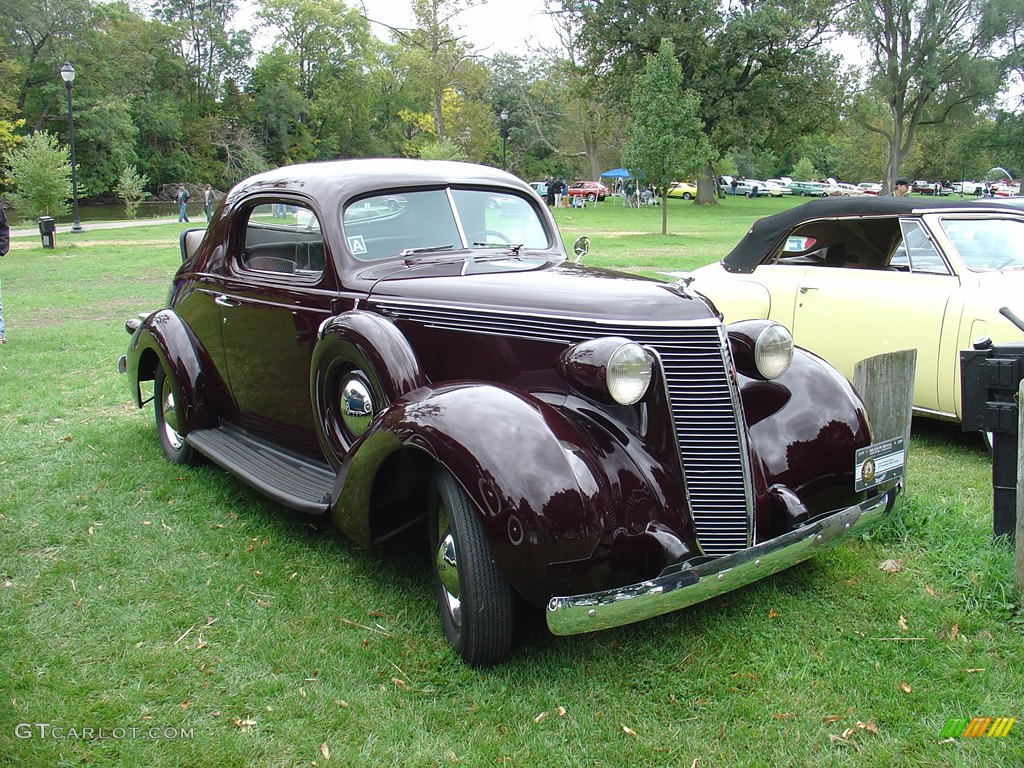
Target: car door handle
806	288
224	301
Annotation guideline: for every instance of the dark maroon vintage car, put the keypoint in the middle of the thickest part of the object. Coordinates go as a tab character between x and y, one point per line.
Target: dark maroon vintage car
400	342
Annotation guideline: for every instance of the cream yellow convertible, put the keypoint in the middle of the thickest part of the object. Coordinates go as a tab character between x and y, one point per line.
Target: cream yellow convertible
855	277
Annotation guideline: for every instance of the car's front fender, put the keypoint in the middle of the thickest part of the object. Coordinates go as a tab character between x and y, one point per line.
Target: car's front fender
542	490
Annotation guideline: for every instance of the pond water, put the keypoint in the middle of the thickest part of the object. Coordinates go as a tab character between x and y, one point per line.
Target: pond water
111	212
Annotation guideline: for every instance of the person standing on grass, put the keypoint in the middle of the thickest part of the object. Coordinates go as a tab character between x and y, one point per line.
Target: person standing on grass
5	244
208	202
181	197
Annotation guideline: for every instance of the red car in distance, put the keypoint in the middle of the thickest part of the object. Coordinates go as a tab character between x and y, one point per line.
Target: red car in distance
591	190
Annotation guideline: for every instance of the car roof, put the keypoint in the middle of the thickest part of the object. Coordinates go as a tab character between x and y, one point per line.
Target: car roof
767	233
349	178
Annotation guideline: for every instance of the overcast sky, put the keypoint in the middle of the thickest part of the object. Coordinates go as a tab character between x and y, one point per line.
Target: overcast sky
511	26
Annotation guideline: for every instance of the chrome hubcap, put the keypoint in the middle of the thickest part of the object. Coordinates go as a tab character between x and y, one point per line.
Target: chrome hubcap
170	417
446	563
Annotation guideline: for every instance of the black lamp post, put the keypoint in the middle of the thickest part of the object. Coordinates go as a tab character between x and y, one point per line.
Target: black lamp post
67	73
504	136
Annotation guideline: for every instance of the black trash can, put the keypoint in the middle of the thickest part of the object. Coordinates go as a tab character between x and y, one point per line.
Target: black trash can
47	231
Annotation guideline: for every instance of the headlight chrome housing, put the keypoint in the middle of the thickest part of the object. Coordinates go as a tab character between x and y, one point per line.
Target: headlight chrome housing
773	351
761	349
611	369
630	369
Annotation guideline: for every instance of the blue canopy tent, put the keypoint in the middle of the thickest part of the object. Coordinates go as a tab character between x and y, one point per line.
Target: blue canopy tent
616	173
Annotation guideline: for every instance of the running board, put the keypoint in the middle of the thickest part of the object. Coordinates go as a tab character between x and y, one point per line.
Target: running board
288	478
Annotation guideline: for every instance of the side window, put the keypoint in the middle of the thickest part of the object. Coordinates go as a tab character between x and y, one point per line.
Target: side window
916	253
283	238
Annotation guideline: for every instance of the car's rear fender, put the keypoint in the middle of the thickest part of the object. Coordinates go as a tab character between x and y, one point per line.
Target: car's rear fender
163	338
545	495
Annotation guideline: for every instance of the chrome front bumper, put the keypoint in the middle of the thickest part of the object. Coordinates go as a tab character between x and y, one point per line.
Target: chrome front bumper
690	585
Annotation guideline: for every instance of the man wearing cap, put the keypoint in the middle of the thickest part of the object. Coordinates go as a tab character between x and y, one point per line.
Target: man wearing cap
901	187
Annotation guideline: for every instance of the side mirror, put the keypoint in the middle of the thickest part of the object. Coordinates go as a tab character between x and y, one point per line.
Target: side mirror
580	248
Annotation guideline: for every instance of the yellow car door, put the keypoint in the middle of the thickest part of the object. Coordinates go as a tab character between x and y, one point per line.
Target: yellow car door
848	313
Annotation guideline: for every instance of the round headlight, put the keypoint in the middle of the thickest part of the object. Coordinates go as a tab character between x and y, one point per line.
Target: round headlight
773	351
630	368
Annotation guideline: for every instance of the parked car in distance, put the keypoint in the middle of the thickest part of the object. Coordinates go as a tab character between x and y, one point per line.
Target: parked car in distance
683	189
808	188
856	277
782	184
967	187
871	187
589	190
598	443
848	190
540	187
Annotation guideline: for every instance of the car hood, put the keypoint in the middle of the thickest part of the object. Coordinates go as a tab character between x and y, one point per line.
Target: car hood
564	289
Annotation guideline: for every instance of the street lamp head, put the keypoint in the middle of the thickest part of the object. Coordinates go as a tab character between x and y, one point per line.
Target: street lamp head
504	115
67	72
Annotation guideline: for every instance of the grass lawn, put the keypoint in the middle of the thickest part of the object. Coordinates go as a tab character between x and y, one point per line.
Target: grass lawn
139	595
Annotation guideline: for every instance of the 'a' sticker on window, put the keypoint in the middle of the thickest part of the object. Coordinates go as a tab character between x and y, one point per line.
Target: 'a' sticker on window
356	244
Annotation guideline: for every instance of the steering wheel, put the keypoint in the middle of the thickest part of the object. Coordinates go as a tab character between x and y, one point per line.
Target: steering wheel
483	234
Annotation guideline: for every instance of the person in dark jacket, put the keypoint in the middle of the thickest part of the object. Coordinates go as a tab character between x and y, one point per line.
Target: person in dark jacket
5	244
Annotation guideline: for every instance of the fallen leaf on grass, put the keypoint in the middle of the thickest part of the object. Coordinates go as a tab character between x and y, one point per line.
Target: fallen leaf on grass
325	751
906	687
954	632
244	725
891	566
399	682
902	623
629	731
772	614
561	711
975	669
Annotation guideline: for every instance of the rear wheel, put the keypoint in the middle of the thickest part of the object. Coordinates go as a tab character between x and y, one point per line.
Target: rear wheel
165	407
473	596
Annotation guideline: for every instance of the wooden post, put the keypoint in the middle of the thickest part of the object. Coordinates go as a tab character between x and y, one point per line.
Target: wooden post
886	385
1018	568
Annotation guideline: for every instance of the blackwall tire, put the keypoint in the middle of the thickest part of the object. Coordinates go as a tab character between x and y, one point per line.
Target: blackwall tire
473	597
165	409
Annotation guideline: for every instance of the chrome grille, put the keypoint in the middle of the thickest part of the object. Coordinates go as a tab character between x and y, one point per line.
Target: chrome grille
705	409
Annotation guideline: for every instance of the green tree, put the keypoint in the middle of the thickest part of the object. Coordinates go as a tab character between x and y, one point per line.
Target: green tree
758	66
40	170
665	140
443	149
804	170
131	189
928	58
211	49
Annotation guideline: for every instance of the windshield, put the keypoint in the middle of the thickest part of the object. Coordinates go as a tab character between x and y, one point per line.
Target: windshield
437	220
986	244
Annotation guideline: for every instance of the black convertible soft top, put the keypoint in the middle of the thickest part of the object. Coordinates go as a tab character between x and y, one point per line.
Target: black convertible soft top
767	233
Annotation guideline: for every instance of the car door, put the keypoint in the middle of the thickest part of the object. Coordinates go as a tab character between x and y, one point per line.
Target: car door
847	313
278	289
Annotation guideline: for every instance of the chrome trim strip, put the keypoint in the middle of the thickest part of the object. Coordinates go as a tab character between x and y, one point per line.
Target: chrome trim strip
687	586
385	305
937	415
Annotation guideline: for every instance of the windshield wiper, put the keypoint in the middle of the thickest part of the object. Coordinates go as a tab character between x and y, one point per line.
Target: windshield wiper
513	247
425	249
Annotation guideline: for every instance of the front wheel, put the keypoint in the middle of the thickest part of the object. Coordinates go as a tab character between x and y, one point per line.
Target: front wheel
591	197
165	408
687	196
473	596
